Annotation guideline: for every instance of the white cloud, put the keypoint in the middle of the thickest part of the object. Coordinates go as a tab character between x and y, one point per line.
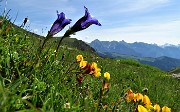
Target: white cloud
131	6
159	33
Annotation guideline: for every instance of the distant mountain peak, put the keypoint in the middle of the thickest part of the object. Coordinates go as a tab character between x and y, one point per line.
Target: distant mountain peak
96	40
170	45
139	49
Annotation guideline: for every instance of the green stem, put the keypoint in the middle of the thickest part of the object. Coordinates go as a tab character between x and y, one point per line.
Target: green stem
44	42
59	44
67	34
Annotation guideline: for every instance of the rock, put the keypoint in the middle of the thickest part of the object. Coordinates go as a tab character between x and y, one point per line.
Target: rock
176	75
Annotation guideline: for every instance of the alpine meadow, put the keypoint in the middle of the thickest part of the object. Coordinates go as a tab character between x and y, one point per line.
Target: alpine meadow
63	74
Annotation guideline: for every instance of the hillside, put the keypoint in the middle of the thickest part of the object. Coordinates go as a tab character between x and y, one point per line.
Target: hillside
164	63
75	43
34	80
71	42
175	72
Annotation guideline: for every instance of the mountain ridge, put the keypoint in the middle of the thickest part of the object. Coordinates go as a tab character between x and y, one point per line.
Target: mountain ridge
139	49
162	57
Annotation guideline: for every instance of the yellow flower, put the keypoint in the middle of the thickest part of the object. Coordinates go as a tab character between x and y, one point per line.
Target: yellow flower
166	109
157	108
79	58
94	65
83	64
138	97
95	70
107	75
129	95
142	109
146	100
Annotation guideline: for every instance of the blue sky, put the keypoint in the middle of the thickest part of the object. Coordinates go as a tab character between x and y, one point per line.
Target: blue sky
150	21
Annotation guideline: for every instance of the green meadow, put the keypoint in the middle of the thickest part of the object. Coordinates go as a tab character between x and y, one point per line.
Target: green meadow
35	79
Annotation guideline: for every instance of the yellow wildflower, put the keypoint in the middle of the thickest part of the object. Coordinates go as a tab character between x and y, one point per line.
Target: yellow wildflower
83	64
94	65
166	109
138	97
79	58
95	70
107	75
146	100
142	109
129	95
157	108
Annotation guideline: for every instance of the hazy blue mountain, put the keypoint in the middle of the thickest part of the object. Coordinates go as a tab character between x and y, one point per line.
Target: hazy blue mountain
166	57
164	63
139	49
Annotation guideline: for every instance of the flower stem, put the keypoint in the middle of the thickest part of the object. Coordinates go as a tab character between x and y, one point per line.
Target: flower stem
59	44
44	42
67	34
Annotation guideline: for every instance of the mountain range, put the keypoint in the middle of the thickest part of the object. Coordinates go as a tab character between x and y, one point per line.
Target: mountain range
139	49
166	57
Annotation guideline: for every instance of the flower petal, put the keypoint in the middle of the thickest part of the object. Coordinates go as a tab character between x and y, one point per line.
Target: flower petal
79	58
89	22
129	95
61	16
157	108
166	109
85	22
142	109
59	24
107	75
83	64
146	100
138	97
86	12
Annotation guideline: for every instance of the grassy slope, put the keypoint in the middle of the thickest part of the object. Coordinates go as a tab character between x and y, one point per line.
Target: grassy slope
127	73
176	70
48	84
163	62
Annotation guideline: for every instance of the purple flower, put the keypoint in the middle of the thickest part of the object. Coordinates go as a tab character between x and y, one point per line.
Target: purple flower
59	24
85	22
